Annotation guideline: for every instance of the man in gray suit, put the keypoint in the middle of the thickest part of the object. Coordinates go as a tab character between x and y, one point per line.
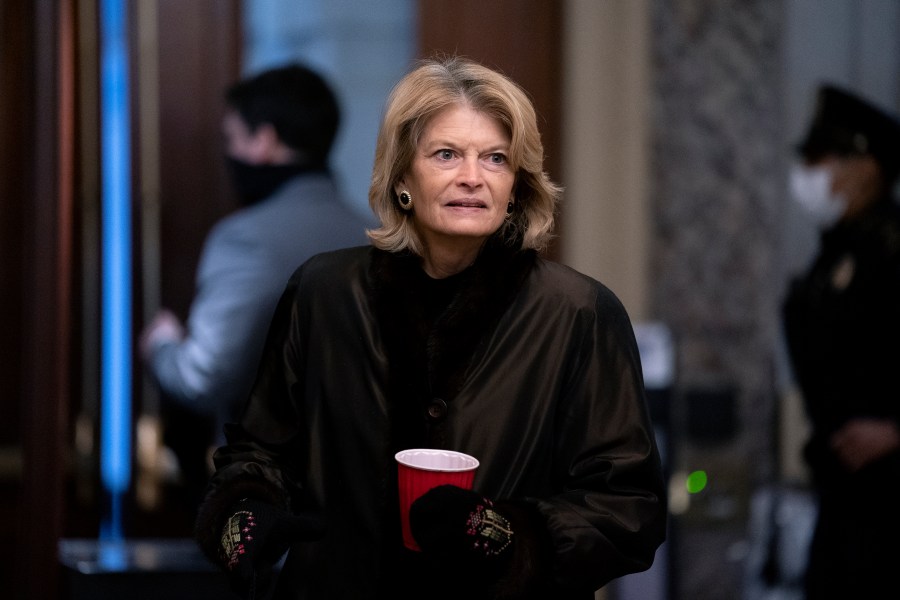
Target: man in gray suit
279	129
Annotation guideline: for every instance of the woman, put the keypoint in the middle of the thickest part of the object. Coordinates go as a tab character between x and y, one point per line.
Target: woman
841	327
449	332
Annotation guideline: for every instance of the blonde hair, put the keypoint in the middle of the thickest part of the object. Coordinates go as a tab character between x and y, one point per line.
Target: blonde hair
426	90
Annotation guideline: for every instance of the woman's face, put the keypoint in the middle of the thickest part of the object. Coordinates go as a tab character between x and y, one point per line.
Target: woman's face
460	179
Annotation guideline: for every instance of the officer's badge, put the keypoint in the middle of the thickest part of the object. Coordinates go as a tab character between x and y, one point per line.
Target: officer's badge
842	273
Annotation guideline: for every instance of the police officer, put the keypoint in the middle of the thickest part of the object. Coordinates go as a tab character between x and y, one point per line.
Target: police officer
842	325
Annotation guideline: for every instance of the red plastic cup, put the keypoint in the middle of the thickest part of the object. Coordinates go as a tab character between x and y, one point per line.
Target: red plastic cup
420	469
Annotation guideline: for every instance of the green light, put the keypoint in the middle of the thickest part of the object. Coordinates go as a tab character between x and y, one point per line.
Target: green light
695	482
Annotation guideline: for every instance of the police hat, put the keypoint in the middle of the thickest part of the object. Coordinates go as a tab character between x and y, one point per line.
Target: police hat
846	124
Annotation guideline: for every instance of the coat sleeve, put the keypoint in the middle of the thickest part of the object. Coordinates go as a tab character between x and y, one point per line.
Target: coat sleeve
237	288
257	459
610	516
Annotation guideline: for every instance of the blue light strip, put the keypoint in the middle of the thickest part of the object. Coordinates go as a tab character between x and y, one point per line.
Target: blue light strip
115	419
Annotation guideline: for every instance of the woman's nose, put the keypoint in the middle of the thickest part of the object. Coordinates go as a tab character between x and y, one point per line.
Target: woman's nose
470	171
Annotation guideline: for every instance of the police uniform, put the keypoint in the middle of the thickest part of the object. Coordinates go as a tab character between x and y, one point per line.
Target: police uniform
842	324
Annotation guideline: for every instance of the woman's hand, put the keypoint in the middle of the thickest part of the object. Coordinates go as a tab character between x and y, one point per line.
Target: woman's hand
255	536
458	523
864	440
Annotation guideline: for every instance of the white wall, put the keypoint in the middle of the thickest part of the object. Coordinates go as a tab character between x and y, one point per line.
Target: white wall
360	50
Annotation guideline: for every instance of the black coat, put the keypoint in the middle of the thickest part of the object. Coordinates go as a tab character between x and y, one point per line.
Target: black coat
842	321
532	368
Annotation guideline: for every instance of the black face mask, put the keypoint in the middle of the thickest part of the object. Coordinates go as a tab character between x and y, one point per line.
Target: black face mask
257	182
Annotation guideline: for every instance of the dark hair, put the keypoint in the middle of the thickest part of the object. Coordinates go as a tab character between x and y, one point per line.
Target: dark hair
296	101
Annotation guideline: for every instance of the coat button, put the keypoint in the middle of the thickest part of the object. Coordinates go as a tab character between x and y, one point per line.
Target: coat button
437	409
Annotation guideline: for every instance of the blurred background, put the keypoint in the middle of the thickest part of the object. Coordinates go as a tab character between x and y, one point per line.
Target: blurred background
671	124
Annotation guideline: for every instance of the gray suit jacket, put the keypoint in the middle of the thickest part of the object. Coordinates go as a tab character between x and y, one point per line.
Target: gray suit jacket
246	262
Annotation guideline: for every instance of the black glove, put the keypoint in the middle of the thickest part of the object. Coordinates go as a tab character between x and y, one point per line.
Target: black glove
255	536
451	522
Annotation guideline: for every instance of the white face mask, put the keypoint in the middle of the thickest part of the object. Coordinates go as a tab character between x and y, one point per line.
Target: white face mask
811	189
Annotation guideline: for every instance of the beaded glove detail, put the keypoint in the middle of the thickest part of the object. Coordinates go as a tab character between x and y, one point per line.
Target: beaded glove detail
491	532
456	523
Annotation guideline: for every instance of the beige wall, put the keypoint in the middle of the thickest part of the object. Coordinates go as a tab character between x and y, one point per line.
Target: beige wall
606	145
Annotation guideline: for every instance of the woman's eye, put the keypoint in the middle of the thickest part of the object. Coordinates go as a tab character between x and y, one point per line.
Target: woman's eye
445	154
497	158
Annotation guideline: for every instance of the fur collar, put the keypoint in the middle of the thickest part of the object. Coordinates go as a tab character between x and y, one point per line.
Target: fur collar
428	356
